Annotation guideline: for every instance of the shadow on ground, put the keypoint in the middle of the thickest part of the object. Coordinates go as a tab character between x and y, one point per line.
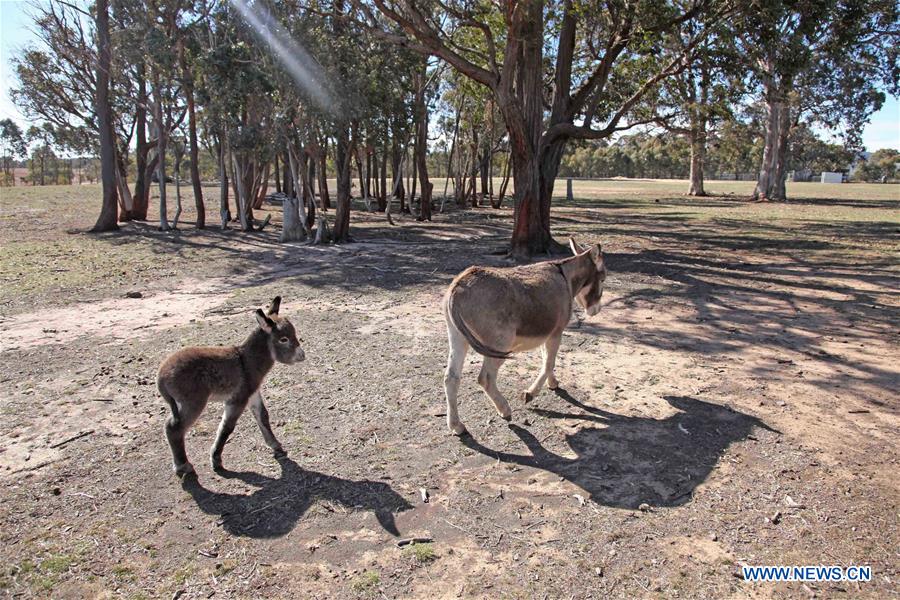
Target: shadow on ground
628	461
274	509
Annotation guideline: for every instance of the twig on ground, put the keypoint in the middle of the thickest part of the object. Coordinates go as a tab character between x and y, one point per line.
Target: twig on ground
73	438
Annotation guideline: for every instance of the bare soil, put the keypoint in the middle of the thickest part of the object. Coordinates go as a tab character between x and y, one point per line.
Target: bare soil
734	403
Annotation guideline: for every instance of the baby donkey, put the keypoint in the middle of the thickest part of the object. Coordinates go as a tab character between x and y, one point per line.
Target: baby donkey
190	377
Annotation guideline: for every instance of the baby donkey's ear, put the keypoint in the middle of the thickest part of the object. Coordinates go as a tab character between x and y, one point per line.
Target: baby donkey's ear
265	323
276	304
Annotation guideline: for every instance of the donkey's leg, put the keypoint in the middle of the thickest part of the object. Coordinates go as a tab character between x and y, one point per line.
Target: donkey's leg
184	414
233	410
548	352
488	380
262	419
458	348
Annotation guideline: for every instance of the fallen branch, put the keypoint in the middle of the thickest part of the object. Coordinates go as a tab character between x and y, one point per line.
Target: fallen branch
415	540
73	438
37	466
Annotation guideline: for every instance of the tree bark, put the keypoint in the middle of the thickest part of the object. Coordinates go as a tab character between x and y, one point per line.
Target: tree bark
161	135
178	158
323	177
126	201
396	160
195	156
263	187
224	208
343	155
414	182
422	145
503	184
109	208
452	150
308	192
698	156
294	227
193	152
142	150
382	195
534	166
770	183
277	169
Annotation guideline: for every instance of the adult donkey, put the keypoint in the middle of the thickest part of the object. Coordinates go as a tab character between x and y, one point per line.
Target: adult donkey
499	311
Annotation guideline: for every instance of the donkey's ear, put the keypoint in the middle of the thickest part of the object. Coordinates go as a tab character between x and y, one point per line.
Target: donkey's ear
276	304
596	252
576	249
265	323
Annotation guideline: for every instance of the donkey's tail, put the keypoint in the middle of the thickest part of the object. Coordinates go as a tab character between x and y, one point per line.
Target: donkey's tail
169	399
457	321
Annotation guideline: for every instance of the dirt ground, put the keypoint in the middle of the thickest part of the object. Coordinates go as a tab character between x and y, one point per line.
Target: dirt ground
734	403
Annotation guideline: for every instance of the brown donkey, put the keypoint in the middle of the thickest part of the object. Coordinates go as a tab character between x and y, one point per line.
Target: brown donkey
190	377
499	311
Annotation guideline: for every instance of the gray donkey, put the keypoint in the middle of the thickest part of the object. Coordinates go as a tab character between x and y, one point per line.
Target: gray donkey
188	378
498	312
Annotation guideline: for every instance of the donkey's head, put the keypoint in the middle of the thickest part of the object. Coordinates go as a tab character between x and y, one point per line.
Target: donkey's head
283	342
591	291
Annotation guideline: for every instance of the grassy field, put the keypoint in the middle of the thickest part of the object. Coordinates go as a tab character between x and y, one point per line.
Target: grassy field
734	403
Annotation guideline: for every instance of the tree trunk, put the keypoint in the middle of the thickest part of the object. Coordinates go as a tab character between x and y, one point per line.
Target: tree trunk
294	226
323	178
396	160
109	208
452	150
503	184
195	157
414	183
485	168
193	152
308	192
343	155
224	208
263	188
277	169
160	152
126	201
422	146
382	196
178	158
698	155
240	168
770	183
475	168
142	150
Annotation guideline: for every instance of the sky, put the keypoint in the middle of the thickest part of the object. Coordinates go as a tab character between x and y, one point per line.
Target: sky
883	131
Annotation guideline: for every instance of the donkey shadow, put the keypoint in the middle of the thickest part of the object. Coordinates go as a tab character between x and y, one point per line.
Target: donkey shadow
274	509
635	460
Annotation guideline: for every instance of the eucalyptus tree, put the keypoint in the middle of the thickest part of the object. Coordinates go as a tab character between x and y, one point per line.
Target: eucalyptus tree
881	166
70	81
597	61
235	85
12	145
695	101
818	61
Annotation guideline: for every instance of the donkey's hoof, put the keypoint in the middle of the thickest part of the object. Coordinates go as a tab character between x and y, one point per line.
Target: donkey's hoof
216	464
458	429
506	418
526	397
279	452
182	470
553	385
